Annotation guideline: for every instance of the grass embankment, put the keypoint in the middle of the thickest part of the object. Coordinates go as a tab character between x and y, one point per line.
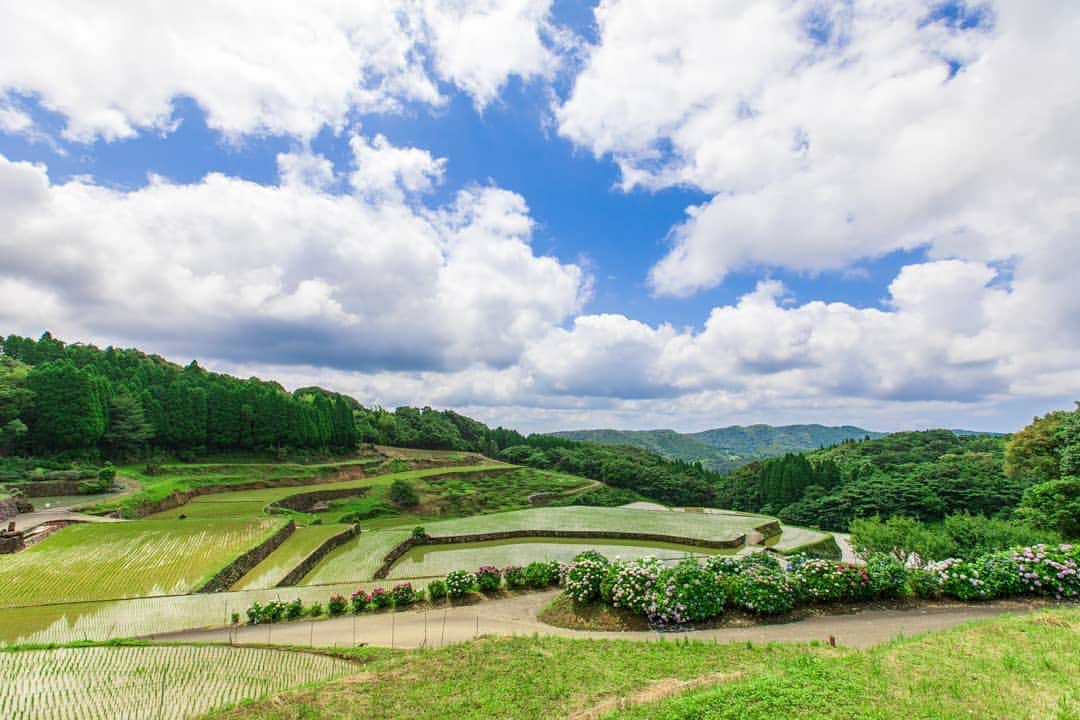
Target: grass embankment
132	559
150	681
1015	667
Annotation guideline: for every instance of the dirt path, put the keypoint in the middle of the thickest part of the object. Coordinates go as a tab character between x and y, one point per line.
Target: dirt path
517	616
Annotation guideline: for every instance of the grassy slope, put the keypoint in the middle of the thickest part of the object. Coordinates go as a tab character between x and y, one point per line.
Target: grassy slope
1020	667
114	560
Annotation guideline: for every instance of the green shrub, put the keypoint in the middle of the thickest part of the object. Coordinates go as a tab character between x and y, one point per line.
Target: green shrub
539	575
1000	574
359	601
315	609
925	583
419	533
403	493
294	609
436	589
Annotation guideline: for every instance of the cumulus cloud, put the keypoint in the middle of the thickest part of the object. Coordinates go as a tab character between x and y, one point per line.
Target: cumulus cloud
384	171
833	131
289	273
290	68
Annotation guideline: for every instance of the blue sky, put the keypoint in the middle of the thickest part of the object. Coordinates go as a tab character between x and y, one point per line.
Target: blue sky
549	226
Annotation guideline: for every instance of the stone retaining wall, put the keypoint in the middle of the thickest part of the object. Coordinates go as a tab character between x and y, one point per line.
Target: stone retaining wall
44	488
242	565
406	545
770	529
299	572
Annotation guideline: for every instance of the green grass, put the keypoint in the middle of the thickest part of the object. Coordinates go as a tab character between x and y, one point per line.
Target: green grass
287	556
1016	667
137	558
179	477
150	681
251	503
456	495
677	524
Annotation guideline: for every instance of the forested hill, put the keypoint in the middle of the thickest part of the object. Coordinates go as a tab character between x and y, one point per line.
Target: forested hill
723	449
70	403
927	474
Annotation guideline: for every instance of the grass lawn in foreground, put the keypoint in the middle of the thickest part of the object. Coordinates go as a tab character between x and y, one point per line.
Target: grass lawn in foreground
1024	666
150	681
127	559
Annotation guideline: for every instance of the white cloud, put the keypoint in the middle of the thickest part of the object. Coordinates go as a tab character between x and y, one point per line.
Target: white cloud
291	273
384	171
832	131
478	44
283	67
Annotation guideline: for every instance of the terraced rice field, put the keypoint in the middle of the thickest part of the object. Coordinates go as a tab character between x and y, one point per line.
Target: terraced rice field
289	554
149	682
677	524
109	619
438	560
127	559
356	560
795	538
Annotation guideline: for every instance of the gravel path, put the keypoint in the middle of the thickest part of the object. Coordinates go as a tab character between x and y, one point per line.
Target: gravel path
517	616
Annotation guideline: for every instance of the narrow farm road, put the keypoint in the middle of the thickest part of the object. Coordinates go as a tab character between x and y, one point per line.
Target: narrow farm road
517	616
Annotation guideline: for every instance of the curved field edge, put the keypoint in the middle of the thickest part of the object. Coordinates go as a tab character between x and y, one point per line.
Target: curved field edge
105	561
1012	667
141	681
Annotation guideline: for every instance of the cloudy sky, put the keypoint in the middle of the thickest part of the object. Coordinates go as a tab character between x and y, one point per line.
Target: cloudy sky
550	214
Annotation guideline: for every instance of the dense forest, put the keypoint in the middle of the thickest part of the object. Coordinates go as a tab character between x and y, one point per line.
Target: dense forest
927	476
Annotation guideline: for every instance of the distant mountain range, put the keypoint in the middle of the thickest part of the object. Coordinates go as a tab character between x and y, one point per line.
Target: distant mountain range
723	449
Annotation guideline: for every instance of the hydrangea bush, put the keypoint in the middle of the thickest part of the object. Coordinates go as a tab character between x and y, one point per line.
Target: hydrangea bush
629	585
827	581
488	578
459	582
380	598
436	589
584	575
514	576
359	601
1049	570
337	605
763	591
888	576
960	579
403	594
541	574
686	593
